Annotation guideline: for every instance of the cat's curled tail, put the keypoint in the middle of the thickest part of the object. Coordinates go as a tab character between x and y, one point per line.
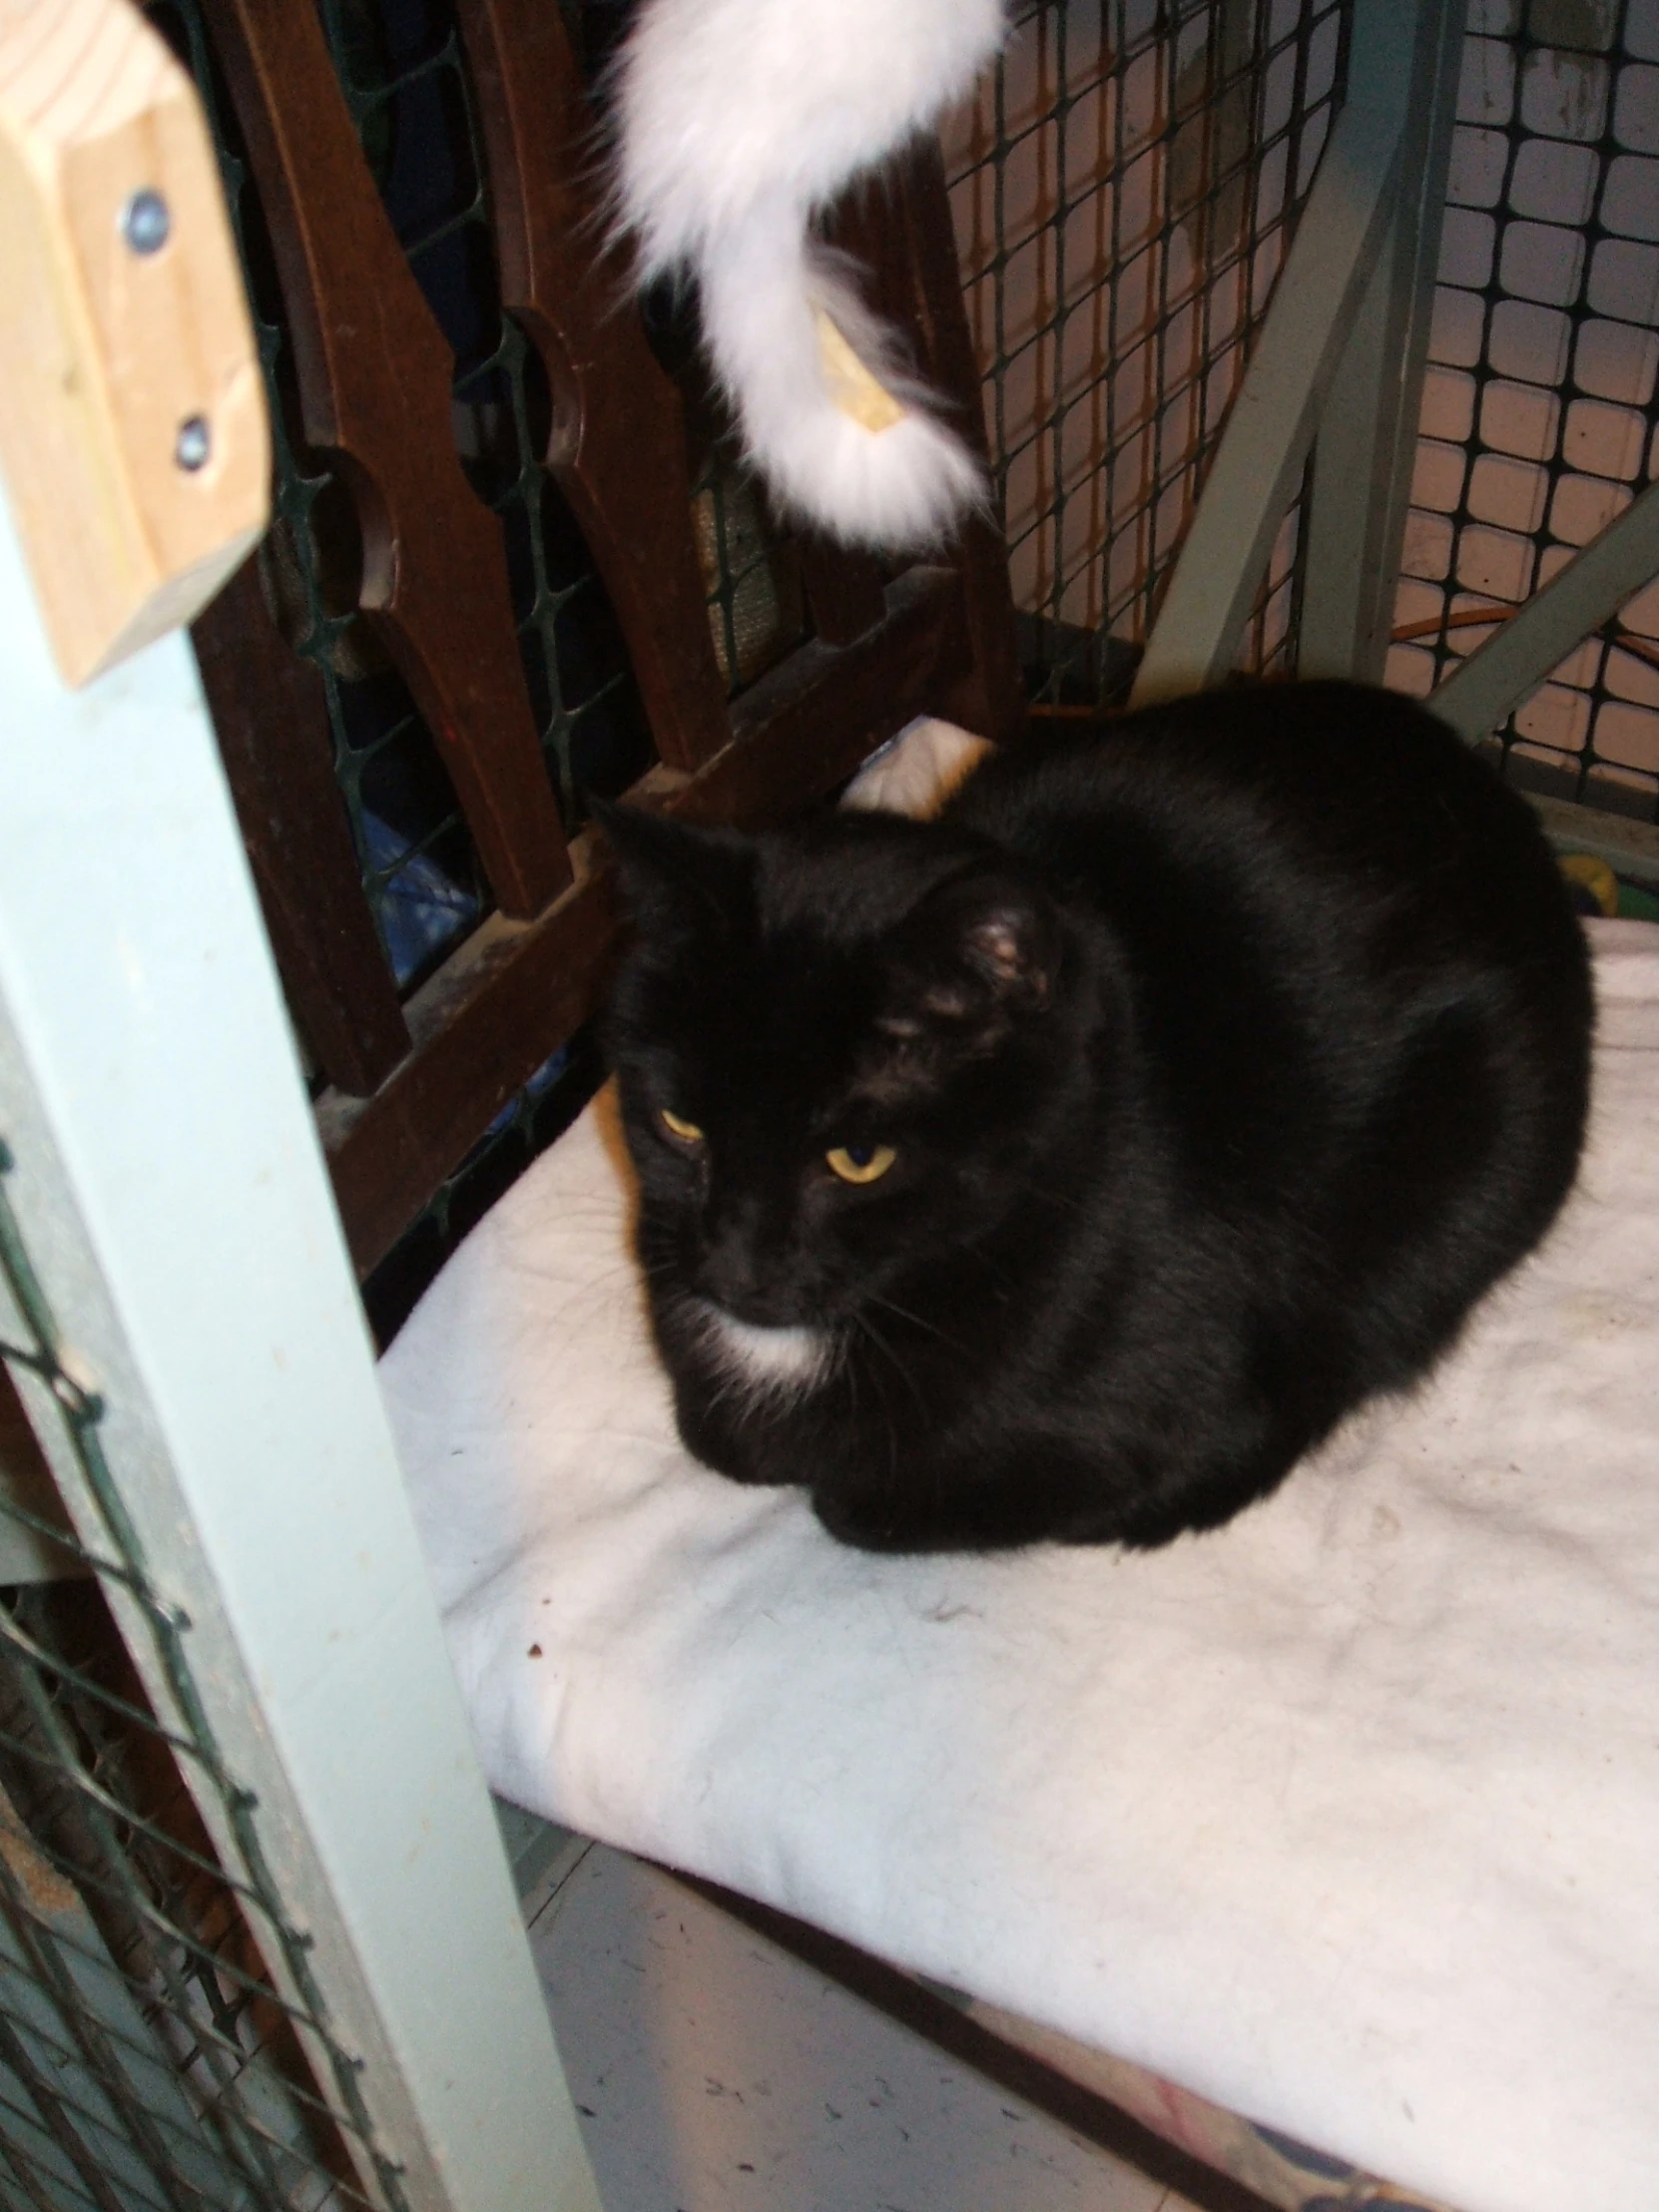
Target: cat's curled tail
737	122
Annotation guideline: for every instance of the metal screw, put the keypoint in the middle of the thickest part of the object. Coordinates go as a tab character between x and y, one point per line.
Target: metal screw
195	443
146	222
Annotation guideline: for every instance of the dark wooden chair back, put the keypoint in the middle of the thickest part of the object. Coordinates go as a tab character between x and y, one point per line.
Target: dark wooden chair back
406	1087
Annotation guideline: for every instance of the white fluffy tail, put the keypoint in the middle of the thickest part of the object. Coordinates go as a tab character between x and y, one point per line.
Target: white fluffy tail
837	433
739	120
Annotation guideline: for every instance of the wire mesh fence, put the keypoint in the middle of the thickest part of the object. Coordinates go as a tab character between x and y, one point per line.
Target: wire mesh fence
1540	421
1125	188
163	2041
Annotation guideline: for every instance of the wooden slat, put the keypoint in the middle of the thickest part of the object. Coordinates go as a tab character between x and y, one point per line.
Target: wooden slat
515	991
272	722
374	378
843	589
618	443
991	698
812	720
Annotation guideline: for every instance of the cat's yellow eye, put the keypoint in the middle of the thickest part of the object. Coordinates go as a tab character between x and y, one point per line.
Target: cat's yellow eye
860	1163
686	1131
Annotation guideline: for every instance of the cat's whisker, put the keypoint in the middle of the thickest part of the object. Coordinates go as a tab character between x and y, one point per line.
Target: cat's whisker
869	1329
903	1313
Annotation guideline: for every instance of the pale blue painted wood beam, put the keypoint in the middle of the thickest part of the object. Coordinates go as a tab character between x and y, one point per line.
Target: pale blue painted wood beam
1271	429
1355	521
1482	694
175	1205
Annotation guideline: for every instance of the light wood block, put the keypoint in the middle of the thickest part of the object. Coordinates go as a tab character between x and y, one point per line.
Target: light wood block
123	353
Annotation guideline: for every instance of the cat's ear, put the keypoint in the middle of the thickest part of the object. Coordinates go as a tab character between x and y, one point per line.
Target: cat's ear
979	954
673	874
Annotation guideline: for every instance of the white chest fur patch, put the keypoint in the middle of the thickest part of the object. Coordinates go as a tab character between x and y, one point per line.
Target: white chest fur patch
768	1359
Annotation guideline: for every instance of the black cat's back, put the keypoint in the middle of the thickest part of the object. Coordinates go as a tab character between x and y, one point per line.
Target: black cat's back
1366	1006
1313	875
1199	1078
1280	796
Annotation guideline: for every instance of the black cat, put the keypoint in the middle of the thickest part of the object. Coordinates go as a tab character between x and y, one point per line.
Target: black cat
1067	1166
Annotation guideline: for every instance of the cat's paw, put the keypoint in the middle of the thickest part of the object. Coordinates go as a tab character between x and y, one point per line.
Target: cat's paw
900	1525
724	1449
875	1524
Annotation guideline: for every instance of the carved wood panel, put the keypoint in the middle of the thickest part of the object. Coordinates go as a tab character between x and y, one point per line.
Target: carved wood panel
374	388
618	444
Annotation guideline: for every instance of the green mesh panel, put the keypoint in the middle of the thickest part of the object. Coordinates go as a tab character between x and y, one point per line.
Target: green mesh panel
148	2057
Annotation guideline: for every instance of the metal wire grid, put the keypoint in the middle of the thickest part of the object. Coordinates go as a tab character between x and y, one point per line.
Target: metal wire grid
148	2057
1125	190
1540	418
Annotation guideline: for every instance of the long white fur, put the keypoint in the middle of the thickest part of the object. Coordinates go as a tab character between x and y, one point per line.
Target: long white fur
739	121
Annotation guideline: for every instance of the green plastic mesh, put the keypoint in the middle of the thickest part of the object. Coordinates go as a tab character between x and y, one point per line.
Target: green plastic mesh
163	2039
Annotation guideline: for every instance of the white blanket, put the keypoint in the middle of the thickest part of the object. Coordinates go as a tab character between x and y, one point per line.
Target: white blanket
1346	1815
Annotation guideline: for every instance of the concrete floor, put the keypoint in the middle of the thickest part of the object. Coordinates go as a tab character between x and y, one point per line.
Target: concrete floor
715	2070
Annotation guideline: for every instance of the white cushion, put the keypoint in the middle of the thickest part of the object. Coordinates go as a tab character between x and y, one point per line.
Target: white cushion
1346	1815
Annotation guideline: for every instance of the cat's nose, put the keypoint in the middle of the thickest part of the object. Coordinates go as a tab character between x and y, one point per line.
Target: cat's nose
735	1277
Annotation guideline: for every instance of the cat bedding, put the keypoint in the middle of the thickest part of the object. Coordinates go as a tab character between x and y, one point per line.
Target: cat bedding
1344	1816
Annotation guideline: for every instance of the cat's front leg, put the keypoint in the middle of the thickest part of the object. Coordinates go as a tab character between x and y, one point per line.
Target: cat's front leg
1060	1489
1044	1489
742	1448
872	1523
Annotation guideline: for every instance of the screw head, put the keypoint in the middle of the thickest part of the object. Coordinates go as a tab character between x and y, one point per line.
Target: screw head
195	443
145	221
